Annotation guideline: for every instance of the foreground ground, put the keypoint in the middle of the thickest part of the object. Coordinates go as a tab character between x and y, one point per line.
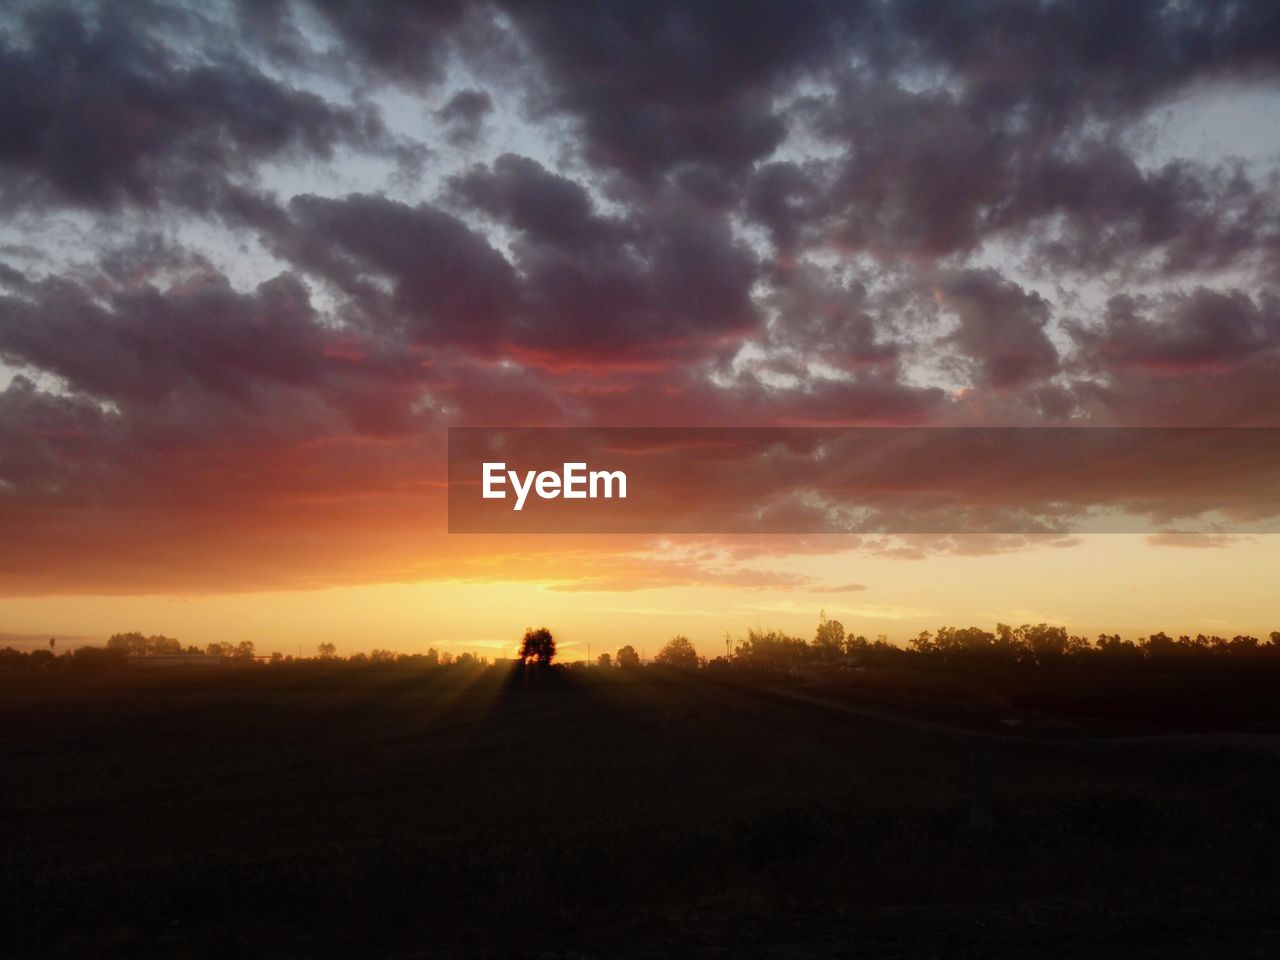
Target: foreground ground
383	811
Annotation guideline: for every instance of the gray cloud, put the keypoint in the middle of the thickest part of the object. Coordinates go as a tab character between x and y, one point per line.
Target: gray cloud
749	213
98	112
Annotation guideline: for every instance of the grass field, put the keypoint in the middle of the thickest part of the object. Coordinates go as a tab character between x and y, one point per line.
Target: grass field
393	812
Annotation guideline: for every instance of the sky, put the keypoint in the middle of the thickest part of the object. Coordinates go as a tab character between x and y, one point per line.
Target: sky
257	258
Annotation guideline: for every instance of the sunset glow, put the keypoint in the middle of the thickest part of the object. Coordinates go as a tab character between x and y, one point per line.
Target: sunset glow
234	334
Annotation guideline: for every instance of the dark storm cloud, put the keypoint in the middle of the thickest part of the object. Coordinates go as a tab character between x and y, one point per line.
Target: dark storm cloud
464	115
1020	127
918	172
1065	58
683	282
677	87
49	443
667	274
926	174
839	321
1205	330
99	112
700	89
403	41
145	344
783	198
448	283
187	353
721	213
1112	213
1002	328
662	85
548	208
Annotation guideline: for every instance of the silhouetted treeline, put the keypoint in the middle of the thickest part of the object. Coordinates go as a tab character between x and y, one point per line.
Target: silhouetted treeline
1038	646
1031	646
123	648
1035	646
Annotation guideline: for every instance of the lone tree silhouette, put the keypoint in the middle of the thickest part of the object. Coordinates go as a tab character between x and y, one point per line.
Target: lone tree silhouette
538	646
627	657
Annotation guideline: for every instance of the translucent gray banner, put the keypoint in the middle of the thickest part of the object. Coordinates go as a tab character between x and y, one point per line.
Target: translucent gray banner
863	480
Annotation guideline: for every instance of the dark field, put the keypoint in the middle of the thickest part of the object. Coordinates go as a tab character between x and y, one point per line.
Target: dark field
299	811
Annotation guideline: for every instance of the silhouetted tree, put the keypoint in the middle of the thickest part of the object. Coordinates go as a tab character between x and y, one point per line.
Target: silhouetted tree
604	660
538	646
132	643
627	657
1244	645
772	649
1044	645
922	642
828	639
160	644
136	645
855	646
678	652
327	651
1159	645
951	641
1116	649
41	658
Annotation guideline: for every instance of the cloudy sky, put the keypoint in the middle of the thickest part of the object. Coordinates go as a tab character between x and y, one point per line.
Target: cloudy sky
256	258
